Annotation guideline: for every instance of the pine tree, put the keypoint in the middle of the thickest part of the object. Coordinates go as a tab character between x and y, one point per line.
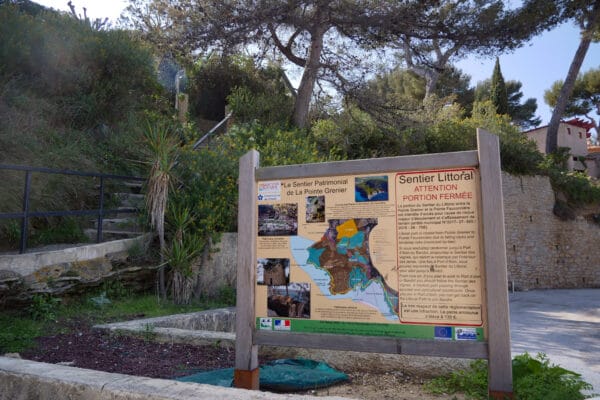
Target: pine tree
498	93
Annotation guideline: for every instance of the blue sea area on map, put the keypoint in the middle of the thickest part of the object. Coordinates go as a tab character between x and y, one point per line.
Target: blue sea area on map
359	197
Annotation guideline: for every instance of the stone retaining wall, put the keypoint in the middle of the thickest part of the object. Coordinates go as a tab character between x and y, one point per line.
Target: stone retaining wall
544	252
72	270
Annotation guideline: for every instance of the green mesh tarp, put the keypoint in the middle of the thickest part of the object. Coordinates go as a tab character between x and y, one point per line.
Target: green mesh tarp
280	375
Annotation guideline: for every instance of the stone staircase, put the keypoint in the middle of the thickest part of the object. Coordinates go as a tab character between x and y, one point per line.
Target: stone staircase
122	224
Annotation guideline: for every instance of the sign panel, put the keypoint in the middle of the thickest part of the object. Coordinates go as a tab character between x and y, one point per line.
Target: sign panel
386	254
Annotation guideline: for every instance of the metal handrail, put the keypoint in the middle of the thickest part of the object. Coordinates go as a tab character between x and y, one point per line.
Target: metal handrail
26	214
212	131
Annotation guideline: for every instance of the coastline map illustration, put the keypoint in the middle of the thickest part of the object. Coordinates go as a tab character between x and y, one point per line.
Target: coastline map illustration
340	265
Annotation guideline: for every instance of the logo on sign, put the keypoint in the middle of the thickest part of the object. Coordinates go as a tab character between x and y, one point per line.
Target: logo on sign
269	191
443	332
466	334
282	325
266	323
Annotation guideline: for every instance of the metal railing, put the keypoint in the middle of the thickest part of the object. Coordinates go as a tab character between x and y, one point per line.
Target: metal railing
212	131
26	213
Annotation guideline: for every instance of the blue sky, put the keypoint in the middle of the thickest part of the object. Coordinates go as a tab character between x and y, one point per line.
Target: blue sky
537	64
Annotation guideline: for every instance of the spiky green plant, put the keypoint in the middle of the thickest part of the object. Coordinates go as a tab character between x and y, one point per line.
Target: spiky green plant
162	149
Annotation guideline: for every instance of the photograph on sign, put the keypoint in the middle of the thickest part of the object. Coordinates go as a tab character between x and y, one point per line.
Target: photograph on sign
386	254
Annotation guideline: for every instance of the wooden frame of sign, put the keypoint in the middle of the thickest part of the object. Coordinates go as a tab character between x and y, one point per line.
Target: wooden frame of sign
496	347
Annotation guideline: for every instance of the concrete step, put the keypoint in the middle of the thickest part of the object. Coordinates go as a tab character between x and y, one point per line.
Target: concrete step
134	187
130	199
122	213
108	235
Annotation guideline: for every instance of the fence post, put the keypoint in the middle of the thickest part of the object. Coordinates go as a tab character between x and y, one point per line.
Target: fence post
500	384
25	218
100	211
246	373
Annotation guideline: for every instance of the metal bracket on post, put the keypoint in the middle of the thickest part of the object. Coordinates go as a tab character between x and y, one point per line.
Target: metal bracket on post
25	219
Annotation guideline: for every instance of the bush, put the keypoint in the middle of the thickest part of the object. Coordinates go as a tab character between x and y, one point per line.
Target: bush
533	379
252	92
518	154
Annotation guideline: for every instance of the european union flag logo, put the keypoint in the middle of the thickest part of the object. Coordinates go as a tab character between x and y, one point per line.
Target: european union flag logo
443	332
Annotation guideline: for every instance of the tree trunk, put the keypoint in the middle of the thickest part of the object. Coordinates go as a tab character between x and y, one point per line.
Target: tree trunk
567	88
309	78
431	79
162	287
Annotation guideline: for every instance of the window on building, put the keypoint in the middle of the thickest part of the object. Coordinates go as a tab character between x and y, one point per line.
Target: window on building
569	131
580	135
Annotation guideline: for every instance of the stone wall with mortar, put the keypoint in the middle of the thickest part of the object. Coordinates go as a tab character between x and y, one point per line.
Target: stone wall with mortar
219	268
543	251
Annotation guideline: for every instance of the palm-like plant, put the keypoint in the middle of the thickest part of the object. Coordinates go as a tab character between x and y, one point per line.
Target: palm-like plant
162	156
182	254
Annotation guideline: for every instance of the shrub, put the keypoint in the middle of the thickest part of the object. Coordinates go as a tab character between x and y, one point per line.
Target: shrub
533	379
251	91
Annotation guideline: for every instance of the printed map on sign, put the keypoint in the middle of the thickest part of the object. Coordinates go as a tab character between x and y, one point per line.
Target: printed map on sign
341	267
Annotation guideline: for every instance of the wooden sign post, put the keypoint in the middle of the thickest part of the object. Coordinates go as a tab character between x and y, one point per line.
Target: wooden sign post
402	255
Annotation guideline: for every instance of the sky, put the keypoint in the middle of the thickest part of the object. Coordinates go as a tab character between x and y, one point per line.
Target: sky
537	65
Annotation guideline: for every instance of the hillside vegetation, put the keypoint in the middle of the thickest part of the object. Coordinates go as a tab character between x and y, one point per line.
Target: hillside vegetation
71	97
76	97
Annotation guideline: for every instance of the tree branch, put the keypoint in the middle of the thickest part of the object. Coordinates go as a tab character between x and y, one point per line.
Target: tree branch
286	50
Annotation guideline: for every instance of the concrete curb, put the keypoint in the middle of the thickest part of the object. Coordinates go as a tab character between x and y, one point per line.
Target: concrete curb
23	379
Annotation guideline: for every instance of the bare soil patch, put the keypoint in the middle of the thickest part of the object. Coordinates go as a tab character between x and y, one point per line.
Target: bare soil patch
87	348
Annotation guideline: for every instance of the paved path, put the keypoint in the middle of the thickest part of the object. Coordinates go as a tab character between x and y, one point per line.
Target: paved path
564	324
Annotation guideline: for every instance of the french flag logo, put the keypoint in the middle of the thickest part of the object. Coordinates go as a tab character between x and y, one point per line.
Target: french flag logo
282	325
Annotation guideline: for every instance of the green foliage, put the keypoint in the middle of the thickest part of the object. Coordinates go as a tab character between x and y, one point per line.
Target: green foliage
11	231
518	154
498	93
521	114
114	289
44	307
472	382
88	72
18	330
252	92
226	295
353	134
136	251
533	379
585	98
18	333
268	108
68	100
181	254
577	186
63	230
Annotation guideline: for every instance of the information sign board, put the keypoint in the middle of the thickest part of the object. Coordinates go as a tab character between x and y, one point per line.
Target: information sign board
398	255
392	254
